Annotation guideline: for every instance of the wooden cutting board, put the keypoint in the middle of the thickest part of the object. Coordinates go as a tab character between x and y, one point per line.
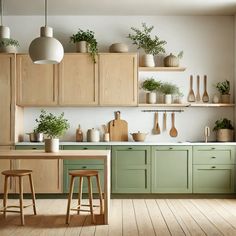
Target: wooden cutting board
118	128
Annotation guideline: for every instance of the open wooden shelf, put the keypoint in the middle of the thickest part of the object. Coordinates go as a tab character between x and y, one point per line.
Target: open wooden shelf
187	105
212	104
162	69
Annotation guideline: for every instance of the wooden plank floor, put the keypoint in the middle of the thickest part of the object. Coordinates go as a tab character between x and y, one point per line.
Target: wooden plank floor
129	217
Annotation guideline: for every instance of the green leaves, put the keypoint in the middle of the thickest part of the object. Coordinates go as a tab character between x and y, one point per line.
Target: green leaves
51	125
8	42
151	85
169	88
142	39
223	124
223	87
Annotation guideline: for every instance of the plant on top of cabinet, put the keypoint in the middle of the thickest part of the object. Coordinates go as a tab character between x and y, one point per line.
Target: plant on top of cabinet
172	60
151	86
54	127
169	89
9	45
151	46
224	130
224	88
85	42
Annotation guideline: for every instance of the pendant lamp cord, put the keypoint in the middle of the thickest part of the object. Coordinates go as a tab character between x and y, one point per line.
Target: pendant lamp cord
46	12
1	11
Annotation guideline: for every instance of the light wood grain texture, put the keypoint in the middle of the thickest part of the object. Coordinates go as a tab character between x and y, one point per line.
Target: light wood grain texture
162	69
118	79
78	80
36	84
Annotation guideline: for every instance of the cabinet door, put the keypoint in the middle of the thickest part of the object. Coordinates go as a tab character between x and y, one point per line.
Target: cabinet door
47	174
172	169
118	79
7	70
213	178
78	83
36	84
131	169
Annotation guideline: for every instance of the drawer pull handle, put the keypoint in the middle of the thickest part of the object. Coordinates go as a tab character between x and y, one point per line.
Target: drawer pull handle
84	167
213	157
34	148
85	148
213	148
130	148
213	167
170	148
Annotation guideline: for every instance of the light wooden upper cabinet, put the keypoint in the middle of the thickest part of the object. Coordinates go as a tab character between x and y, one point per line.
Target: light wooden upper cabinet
36	84
118	79
78	80
7	75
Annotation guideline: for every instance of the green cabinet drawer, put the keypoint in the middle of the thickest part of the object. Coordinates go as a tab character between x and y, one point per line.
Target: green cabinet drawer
131	169
85	161
66	177
214	155
30	147
171	169
213	178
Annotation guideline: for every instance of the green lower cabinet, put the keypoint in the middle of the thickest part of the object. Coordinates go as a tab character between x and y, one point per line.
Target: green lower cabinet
131	169
30	147
171	169
213	178
70	165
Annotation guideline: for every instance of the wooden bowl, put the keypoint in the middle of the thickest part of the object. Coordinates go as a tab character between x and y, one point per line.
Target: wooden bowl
118	47
139	137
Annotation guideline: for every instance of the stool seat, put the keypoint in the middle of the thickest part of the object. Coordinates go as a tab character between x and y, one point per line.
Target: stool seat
83	173
16	172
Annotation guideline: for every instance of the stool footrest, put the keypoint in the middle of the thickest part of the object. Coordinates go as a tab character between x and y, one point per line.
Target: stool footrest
13	206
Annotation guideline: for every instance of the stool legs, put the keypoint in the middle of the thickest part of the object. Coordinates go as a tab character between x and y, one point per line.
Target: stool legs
91	198
100	194
33	192
5	196
21	200
80	193
69	199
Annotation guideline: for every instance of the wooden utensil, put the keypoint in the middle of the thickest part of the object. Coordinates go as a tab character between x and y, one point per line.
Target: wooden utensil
156	128
173	130
164	120
205	97
191	96
118	128
198	97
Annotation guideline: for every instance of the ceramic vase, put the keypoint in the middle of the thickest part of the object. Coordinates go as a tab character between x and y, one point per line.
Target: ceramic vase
148	60
225	98
82	46
151	97
52	145
168	98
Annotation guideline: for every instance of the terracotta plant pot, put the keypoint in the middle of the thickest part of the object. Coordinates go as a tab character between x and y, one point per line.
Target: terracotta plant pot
224	135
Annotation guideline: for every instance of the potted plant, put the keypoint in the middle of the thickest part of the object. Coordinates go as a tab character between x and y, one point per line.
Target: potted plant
8	45
224	130
52	126
224	88
151	86
85	42
168	89
152	46
172	60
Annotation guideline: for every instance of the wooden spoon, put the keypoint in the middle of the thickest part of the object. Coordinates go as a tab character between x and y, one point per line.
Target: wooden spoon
205	97
198	97
164	121
173	130
156	128
191	96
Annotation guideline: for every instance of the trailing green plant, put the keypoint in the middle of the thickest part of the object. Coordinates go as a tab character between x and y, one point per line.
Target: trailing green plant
142	38
51	125
87	36
169	88
223	87
223	124
180	54
151	84
4	42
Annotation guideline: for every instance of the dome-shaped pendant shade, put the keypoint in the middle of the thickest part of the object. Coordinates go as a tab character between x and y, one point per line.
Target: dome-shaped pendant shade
46	49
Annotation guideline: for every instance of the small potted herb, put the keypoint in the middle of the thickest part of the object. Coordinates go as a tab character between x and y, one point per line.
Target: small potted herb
224	89
151	46
8	45
169	89
85	42
151	85
52	126
224	130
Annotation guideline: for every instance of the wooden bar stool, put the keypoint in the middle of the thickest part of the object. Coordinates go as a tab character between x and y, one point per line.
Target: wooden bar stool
20	174
81	174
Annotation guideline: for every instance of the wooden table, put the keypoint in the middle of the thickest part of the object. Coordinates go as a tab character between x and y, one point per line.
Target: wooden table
70	155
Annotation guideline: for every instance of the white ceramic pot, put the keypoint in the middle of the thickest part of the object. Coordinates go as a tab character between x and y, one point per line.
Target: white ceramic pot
215	99
52	145
93	135
82	46
148	60
168	98
106	137
225	98
151	97
224	135
8	49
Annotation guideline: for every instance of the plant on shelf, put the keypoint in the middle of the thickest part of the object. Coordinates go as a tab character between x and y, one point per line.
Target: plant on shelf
224	89
151	46
151	85
224	130
8	45
169	89
85	42
52	126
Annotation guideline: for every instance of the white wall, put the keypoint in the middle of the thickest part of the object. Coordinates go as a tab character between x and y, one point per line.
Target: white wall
208	45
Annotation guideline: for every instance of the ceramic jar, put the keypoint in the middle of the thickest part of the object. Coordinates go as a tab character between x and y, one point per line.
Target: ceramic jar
215	99
171	61
118	47
82	46
148	60
168	98
225	98
93	135
151	97
51	145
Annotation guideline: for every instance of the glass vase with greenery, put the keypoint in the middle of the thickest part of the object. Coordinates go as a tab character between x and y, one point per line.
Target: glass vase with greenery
89	37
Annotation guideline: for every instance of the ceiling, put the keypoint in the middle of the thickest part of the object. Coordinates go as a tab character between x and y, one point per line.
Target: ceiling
121	7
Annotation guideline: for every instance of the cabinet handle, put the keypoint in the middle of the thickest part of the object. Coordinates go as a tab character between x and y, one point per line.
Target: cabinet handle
130	148
213	157
213	167
213	148
84	167
34	148
170	148
85	148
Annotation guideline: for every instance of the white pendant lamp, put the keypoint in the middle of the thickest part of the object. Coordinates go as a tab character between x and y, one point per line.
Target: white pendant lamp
46	49
4	30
